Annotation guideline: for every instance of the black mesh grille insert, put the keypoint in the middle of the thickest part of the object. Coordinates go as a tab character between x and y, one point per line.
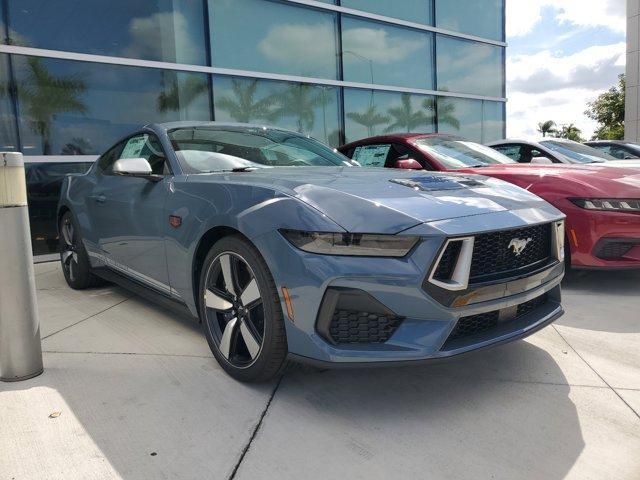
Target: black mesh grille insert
351	326
613	250
494	258
448	261
484	322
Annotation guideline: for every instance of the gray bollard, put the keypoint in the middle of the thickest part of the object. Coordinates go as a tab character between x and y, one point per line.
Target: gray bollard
20	347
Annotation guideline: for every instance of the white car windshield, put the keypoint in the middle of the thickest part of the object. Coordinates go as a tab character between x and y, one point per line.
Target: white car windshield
455	153
577	152
223	149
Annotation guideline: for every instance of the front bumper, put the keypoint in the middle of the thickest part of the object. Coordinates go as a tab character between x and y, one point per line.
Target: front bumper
397	284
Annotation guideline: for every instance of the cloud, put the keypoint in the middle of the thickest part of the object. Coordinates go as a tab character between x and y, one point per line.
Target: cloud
377	45
524	15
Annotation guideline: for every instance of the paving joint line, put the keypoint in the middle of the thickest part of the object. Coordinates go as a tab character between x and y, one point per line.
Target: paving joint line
596	372
255	430
128	353
85	319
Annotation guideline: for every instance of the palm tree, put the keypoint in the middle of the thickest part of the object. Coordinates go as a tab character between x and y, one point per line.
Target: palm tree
299	101
446	112
370	118
182	95
570	132
406	118
244	108
46	95
548	127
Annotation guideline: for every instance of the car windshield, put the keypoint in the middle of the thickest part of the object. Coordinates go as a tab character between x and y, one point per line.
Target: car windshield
576	152
455	153
215	149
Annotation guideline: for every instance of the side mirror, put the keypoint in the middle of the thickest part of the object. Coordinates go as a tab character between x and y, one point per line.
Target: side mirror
541	161
135	167
408	164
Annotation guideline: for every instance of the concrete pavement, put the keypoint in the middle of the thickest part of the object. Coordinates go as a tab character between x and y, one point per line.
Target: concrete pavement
140	396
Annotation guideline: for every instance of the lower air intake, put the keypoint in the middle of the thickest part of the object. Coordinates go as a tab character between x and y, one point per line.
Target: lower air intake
349	326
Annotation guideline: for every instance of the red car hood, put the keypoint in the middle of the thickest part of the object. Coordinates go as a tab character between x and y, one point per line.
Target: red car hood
612	182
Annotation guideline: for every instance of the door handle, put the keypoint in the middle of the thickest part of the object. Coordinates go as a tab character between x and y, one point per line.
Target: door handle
99	198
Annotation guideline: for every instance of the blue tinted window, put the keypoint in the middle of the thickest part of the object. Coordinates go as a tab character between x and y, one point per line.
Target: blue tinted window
70	108
460	116
369	113
273	37
493	121
483	18
163	30
8	137
469	67
304	108
418	11
374	52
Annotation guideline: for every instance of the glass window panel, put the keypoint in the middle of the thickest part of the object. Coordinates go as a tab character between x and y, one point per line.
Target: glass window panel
374	52
305	108
492	121
71	108
469	67
460	116
273	37
8	137
369	112
43	189
418	11
163	30
484	18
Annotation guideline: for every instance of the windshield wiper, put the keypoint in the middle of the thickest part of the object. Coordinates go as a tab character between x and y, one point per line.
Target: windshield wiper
234	170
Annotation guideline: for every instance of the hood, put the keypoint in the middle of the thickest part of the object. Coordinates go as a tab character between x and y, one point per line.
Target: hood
595	179
386	200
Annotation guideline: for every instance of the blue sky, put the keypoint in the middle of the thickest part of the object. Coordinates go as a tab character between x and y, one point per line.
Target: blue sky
561	55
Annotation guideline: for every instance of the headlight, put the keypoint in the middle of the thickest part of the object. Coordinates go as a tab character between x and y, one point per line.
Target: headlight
608	204
355	244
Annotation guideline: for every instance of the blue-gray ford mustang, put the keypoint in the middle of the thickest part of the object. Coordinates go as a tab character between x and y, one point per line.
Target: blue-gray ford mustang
286	250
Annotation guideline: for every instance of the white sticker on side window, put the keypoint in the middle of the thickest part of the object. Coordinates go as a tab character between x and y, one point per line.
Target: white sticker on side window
371	155
134	146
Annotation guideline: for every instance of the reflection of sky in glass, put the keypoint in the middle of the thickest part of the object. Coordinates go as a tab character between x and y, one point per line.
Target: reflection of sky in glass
273	37
369	113
373	52
164	30
467	112
493	121
483	18
8	140
469	67
115	100
308	109
418	11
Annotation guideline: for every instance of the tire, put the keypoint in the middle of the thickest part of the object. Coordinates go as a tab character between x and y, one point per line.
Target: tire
73	256
240	311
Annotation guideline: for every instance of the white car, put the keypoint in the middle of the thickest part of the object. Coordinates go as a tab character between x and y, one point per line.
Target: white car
555	150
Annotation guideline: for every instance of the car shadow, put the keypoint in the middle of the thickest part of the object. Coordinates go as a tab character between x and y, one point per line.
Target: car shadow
601	300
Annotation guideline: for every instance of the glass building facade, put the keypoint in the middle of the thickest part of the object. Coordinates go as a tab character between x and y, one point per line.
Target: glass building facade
77	75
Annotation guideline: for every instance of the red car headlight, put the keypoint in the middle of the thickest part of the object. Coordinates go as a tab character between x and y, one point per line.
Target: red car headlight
608	204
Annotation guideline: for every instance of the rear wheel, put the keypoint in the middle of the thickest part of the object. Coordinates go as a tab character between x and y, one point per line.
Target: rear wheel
241	313
73	256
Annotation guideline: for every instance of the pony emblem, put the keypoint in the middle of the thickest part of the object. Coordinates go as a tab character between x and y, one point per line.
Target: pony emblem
518	245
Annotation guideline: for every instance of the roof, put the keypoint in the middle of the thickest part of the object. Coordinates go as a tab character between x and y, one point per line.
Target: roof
398	136
190	124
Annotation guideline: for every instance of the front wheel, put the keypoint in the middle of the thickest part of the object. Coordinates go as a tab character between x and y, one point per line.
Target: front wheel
73	256
240	311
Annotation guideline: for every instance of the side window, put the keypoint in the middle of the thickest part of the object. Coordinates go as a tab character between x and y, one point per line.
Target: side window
147	146
397	152
534	152
372	155
511	151
106	161
618	152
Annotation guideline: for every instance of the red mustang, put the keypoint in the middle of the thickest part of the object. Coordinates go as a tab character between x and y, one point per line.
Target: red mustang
602	204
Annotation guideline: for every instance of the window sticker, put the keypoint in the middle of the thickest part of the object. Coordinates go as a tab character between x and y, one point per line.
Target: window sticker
134	146
371	155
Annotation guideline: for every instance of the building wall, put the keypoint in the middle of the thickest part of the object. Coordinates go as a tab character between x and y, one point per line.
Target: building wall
77	75
632	112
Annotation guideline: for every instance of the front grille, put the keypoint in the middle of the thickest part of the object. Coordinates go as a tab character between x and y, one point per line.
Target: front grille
611	250
448	261
484	322
351	326
493	258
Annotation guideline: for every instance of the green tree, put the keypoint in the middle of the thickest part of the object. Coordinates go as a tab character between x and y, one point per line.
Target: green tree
570	132
370	119
181	95
446	112
608	111
300	102
406	118
45	95
547	128
243	106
